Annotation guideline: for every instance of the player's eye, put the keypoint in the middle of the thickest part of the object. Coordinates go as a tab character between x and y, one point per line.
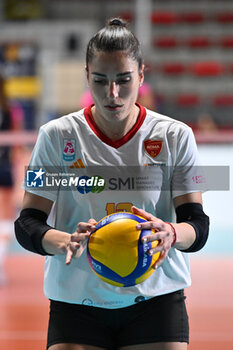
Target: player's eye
123	80
100	81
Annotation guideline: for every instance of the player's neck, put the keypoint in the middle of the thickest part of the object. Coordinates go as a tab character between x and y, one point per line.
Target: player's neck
117	129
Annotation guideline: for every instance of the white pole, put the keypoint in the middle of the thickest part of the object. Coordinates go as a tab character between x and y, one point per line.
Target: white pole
143	25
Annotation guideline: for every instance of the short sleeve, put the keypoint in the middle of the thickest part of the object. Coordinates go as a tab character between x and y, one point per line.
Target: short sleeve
44	160
188	175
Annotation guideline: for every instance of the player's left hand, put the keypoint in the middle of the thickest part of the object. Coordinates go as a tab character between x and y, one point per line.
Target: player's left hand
78	239
163	233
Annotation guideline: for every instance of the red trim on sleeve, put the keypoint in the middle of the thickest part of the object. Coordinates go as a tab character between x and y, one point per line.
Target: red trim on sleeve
114	143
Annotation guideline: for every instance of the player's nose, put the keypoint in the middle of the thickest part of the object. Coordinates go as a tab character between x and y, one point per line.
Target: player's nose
112	89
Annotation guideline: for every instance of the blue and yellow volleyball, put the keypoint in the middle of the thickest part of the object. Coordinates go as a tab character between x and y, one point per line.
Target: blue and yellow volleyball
116	252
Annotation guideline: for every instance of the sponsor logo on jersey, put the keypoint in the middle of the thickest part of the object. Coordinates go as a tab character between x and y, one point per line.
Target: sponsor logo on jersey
153	147
139	298
35	178
155	164
69	146
87	301
78	164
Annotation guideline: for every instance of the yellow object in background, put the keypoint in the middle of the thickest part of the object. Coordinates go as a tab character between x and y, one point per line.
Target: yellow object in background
23	87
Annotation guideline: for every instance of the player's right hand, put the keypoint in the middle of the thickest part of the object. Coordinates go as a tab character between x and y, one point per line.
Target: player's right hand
78	240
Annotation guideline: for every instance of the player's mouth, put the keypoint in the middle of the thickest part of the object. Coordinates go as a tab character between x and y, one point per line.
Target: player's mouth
113	107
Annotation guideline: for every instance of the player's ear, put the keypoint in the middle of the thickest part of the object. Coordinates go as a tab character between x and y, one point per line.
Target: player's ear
141	74
87	72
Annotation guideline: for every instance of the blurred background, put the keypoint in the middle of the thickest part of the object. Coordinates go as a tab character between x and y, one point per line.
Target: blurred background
188	53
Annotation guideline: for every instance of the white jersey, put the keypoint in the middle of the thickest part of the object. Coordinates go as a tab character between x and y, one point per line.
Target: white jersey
74	142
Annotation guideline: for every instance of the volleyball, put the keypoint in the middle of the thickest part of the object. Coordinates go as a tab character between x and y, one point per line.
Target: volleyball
116	252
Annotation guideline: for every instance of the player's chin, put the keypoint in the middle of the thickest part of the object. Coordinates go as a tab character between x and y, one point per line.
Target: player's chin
117	114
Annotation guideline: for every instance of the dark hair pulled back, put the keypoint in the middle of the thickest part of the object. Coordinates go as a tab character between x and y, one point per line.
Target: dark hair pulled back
115	36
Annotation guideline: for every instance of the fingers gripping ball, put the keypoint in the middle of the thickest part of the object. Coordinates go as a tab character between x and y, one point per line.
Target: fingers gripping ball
116	253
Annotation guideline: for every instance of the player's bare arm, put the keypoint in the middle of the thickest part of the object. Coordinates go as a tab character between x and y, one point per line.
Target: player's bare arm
55	241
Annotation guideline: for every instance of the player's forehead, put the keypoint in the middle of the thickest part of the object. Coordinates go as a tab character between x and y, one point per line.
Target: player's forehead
112	64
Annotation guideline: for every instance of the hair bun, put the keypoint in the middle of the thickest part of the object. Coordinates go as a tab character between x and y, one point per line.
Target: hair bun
117	22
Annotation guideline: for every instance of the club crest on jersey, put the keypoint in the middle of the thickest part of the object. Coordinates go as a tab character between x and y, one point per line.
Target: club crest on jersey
69	149
153	147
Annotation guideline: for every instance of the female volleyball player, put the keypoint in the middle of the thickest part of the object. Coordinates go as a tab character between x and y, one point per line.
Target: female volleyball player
85	312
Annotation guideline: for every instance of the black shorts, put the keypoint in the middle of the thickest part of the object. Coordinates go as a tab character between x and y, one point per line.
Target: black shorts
160	319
